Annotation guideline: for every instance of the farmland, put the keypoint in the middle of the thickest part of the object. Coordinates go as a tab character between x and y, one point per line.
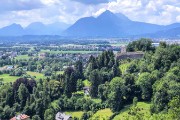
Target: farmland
6	78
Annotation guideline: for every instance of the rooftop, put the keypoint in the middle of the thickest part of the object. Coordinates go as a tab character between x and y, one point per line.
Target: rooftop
20	117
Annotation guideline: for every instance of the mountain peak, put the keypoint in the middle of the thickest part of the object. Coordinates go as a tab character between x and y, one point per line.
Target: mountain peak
117	16
14	25
106	13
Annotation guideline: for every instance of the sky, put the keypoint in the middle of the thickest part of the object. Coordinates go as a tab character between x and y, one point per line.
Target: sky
24	12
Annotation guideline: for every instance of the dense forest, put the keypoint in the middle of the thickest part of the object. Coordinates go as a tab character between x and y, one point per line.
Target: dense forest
155	79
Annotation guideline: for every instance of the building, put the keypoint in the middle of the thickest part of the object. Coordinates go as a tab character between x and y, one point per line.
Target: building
21	117
10	67
123	49
42	55
130	55
86	90
63	116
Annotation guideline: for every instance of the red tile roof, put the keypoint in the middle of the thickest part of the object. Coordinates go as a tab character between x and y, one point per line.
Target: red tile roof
20	117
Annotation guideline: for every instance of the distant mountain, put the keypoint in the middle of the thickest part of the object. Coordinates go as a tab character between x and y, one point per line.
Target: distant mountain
170	33
171	26
109	24
36	28
12	30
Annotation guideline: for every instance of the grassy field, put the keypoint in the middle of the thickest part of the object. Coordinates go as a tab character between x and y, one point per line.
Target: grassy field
36	74
60	72
7	78
102	114
144	109
22	57
97	100
76	114
56	52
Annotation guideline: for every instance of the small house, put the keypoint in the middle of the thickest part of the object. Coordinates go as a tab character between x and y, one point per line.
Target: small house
86	90
123	49
63	116
21	117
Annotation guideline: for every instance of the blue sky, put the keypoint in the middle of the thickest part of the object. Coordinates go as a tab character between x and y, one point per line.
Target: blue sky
25	12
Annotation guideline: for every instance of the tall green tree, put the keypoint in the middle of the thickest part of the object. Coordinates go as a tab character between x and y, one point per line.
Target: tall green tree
23	94
115	97
95	80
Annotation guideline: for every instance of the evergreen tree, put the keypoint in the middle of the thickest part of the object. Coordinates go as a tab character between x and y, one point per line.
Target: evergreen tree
79	69
23	94
95	80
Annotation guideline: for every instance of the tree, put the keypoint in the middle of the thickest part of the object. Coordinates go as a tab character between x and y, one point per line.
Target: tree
103	91
135	101
174	108
145	81
55	89
36	117
40	108
70	81
23	94
80	85
9	96
49	114
79	69
115	98
142	44
116	70
94	78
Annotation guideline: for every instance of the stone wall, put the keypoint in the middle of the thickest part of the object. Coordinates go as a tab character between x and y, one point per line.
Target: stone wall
131	55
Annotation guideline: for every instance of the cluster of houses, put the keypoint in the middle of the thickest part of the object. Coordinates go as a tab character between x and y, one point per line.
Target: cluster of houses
87	47
9	54
73	57
59	116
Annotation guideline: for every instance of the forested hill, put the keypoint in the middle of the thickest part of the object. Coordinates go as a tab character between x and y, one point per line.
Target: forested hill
114	85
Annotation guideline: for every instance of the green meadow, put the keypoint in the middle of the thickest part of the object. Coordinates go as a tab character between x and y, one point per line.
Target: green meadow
7	78
35	74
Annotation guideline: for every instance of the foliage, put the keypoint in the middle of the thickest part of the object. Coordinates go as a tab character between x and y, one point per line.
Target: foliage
140	45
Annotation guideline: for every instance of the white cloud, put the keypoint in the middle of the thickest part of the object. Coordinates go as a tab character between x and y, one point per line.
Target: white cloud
152	11
17	5
47	11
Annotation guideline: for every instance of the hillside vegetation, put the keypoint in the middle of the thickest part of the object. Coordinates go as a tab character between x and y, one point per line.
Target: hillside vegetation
104	88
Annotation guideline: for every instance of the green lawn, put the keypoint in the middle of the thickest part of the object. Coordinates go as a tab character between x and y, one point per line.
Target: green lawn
144	109
102	114
86	83
60	72
36	74
77	114
97	100
7	78
22	57
56	52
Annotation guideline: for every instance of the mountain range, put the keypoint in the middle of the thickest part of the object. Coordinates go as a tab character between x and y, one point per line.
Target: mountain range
36	28
107	24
